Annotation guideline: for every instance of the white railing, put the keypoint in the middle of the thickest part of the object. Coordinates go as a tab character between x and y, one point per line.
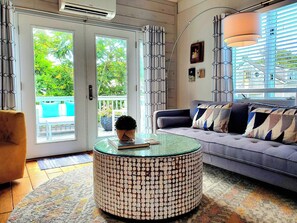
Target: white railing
51	99
113	102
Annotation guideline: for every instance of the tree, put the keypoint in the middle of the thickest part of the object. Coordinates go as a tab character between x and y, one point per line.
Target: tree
53	63
111	66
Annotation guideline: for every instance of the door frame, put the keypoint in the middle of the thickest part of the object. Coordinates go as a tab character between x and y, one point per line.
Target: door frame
83	141
26	23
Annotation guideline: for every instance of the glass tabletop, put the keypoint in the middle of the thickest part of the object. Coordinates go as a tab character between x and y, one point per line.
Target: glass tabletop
170	145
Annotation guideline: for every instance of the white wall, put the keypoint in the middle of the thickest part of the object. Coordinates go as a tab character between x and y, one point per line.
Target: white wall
201	29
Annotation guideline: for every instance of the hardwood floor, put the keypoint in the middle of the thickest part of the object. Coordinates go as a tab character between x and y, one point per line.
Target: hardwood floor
12	193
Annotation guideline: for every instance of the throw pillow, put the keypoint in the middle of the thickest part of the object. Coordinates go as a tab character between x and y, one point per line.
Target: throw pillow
69	108
212	117
273	124
50	109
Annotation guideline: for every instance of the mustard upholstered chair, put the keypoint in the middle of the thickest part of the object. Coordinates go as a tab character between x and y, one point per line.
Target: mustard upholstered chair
12	145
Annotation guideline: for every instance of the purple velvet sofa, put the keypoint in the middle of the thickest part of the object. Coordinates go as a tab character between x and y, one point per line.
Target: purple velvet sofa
268	161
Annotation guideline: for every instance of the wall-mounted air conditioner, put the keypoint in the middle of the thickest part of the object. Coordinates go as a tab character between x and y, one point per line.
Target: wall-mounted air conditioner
103	9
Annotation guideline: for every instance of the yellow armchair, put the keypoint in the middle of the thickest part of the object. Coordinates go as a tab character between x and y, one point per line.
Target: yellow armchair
13	144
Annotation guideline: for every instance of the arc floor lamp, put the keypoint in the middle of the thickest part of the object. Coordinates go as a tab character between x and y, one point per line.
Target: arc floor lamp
241	28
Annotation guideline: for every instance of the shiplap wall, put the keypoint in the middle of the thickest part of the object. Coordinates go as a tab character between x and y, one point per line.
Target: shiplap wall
134	13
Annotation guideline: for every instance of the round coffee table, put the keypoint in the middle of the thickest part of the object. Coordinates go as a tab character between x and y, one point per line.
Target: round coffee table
156	182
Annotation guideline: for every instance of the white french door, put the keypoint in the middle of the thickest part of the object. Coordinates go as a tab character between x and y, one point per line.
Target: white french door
111	79
67	86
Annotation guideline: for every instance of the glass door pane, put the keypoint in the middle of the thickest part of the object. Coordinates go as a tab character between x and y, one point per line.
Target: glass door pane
54	85
111	68
53	81
111	79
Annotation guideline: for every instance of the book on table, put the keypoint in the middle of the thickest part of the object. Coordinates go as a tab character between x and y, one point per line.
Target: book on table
137	143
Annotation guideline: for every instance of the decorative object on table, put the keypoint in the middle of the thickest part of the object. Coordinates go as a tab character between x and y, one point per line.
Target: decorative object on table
136	143
192	72
201	73
197	52
125	127
105	115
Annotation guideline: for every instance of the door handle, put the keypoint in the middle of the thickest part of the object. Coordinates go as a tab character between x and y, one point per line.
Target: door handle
90	92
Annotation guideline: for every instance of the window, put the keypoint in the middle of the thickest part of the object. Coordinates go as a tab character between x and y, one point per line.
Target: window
268	70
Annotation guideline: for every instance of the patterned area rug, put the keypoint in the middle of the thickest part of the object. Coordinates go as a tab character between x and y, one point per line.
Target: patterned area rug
227	197
55	162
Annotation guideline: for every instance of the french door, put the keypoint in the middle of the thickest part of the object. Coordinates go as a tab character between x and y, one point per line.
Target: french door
76	79
111	68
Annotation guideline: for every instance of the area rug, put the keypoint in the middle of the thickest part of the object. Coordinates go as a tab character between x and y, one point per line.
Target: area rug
227	197
55	162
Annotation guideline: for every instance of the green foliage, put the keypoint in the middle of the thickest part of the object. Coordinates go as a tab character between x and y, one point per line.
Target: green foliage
286	59
106	111
53	64
111	66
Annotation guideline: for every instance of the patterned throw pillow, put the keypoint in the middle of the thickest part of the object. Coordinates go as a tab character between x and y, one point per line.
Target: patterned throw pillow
212	117
273	124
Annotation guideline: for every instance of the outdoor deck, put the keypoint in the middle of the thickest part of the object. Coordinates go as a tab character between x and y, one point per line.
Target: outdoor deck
61	126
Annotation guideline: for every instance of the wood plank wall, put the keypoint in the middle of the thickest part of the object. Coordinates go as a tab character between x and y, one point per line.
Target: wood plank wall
135	13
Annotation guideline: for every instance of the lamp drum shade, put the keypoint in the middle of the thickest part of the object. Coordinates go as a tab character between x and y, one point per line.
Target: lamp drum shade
242	29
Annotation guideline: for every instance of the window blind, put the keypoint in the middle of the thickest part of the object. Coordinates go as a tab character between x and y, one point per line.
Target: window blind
268	70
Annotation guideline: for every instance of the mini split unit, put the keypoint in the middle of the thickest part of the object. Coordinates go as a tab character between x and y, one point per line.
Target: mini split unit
102	9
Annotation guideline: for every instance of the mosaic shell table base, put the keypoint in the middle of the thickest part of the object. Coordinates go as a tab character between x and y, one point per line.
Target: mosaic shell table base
147	188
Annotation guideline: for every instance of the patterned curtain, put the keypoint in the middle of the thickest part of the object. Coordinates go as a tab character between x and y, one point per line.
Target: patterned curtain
154	72
7	75
222	65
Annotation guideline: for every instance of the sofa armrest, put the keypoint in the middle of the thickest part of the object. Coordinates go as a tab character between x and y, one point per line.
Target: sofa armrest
169	113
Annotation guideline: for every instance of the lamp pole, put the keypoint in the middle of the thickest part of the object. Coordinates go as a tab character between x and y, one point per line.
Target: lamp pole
188	24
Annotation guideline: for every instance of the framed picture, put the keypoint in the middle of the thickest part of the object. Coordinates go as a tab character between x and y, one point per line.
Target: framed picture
191	74
197	52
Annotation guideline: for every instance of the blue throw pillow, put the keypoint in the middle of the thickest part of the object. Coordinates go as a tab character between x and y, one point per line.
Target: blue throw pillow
70	108
50	109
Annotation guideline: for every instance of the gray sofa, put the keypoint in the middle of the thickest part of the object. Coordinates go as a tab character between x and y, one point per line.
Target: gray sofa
268	161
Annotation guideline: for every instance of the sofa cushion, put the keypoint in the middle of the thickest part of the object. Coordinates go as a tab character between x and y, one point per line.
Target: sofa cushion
70	109
194	107
50	109
174	121
238	118
269	155
212	117
273	124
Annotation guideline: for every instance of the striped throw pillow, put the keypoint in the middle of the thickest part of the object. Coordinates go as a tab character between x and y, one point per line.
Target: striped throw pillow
212	117
273	124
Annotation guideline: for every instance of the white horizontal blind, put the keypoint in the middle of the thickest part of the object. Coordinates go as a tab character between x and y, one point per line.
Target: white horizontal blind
268	70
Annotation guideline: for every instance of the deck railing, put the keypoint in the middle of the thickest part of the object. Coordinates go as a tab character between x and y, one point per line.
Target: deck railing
114	102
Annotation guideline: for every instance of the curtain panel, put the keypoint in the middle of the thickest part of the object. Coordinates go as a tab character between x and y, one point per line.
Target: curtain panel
222	64
154	72
7	75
